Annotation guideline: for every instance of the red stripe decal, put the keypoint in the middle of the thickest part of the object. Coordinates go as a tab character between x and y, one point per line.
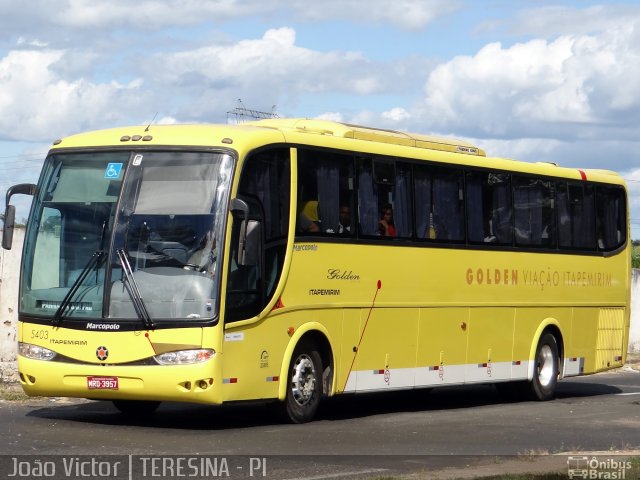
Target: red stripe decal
583	175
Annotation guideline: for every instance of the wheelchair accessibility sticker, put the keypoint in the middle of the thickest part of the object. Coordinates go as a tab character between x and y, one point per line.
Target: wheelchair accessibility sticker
113	171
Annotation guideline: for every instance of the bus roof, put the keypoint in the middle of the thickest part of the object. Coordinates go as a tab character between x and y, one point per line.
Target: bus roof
250	135
358	132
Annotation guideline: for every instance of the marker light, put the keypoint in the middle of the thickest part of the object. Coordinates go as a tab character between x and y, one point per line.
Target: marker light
185	357
35	352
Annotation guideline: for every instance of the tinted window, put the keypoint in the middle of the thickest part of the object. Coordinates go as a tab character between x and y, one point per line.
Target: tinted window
325	194
439	204
384	199
611	217
533	208
489	210
266	176
576	216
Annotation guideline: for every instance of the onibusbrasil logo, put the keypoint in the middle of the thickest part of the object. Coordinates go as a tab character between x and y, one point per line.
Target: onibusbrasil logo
597	468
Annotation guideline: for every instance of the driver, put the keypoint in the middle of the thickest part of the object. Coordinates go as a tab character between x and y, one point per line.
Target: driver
204	259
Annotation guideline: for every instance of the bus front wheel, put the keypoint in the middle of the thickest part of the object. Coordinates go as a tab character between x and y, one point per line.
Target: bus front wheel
304	384
546	368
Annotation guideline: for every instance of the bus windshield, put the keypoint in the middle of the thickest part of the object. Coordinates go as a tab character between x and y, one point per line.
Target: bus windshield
151	222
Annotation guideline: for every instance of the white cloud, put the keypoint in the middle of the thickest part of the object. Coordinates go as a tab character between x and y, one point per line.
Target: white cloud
572	87
331	116
273	61
37	104
145	15
562	20
405	14
397	114
31	42
46	93
270	70
150	15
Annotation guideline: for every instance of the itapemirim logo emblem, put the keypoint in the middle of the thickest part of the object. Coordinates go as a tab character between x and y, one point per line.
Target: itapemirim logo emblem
102	353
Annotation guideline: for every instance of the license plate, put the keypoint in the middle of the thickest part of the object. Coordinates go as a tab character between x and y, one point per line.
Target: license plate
102	383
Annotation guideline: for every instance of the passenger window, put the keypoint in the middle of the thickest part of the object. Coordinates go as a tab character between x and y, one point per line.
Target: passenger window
576	216
439	204
534	212
611	217
384	198
325	194
489	209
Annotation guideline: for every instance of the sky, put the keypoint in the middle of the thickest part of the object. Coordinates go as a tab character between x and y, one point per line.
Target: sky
533	80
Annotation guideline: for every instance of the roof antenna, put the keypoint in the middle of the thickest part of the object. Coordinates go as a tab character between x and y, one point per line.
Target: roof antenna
154	117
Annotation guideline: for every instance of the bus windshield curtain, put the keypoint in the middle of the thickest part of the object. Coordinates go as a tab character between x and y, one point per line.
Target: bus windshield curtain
263	181
501	216
447	217
609	202
402	207
565	230
475	211
528	214
576	216
423	202
367	201
584	218
328	178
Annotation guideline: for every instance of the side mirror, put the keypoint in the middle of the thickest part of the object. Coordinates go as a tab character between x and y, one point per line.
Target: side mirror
9	223
250	239
10	212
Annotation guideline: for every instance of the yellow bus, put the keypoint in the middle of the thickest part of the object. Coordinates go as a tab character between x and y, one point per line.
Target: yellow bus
296	259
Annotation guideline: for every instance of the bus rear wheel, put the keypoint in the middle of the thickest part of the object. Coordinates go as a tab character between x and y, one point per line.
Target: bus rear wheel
546	368
136	407
304	384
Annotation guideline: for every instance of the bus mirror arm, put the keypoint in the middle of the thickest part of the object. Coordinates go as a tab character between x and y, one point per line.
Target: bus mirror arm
10	212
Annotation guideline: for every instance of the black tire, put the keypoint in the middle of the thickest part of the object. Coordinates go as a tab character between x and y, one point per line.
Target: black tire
304	384
545	370
136	407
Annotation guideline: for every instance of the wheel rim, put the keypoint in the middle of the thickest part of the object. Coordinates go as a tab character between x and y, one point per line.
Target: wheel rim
545	366
303	380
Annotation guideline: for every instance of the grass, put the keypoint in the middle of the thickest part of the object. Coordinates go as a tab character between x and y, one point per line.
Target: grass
12	393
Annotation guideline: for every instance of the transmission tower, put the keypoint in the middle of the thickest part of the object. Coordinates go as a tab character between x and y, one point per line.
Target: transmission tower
241	114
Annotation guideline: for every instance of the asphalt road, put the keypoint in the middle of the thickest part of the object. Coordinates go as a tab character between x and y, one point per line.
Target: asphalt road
357	436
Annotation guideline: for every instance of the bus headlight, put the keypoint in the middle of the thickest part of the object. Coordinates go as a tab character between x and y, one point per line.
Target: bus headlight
35	352
185	357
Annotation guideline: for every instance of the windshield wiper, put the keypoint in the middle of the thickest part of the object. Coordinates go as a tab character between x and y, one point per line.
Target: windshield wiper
134	292
94	261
